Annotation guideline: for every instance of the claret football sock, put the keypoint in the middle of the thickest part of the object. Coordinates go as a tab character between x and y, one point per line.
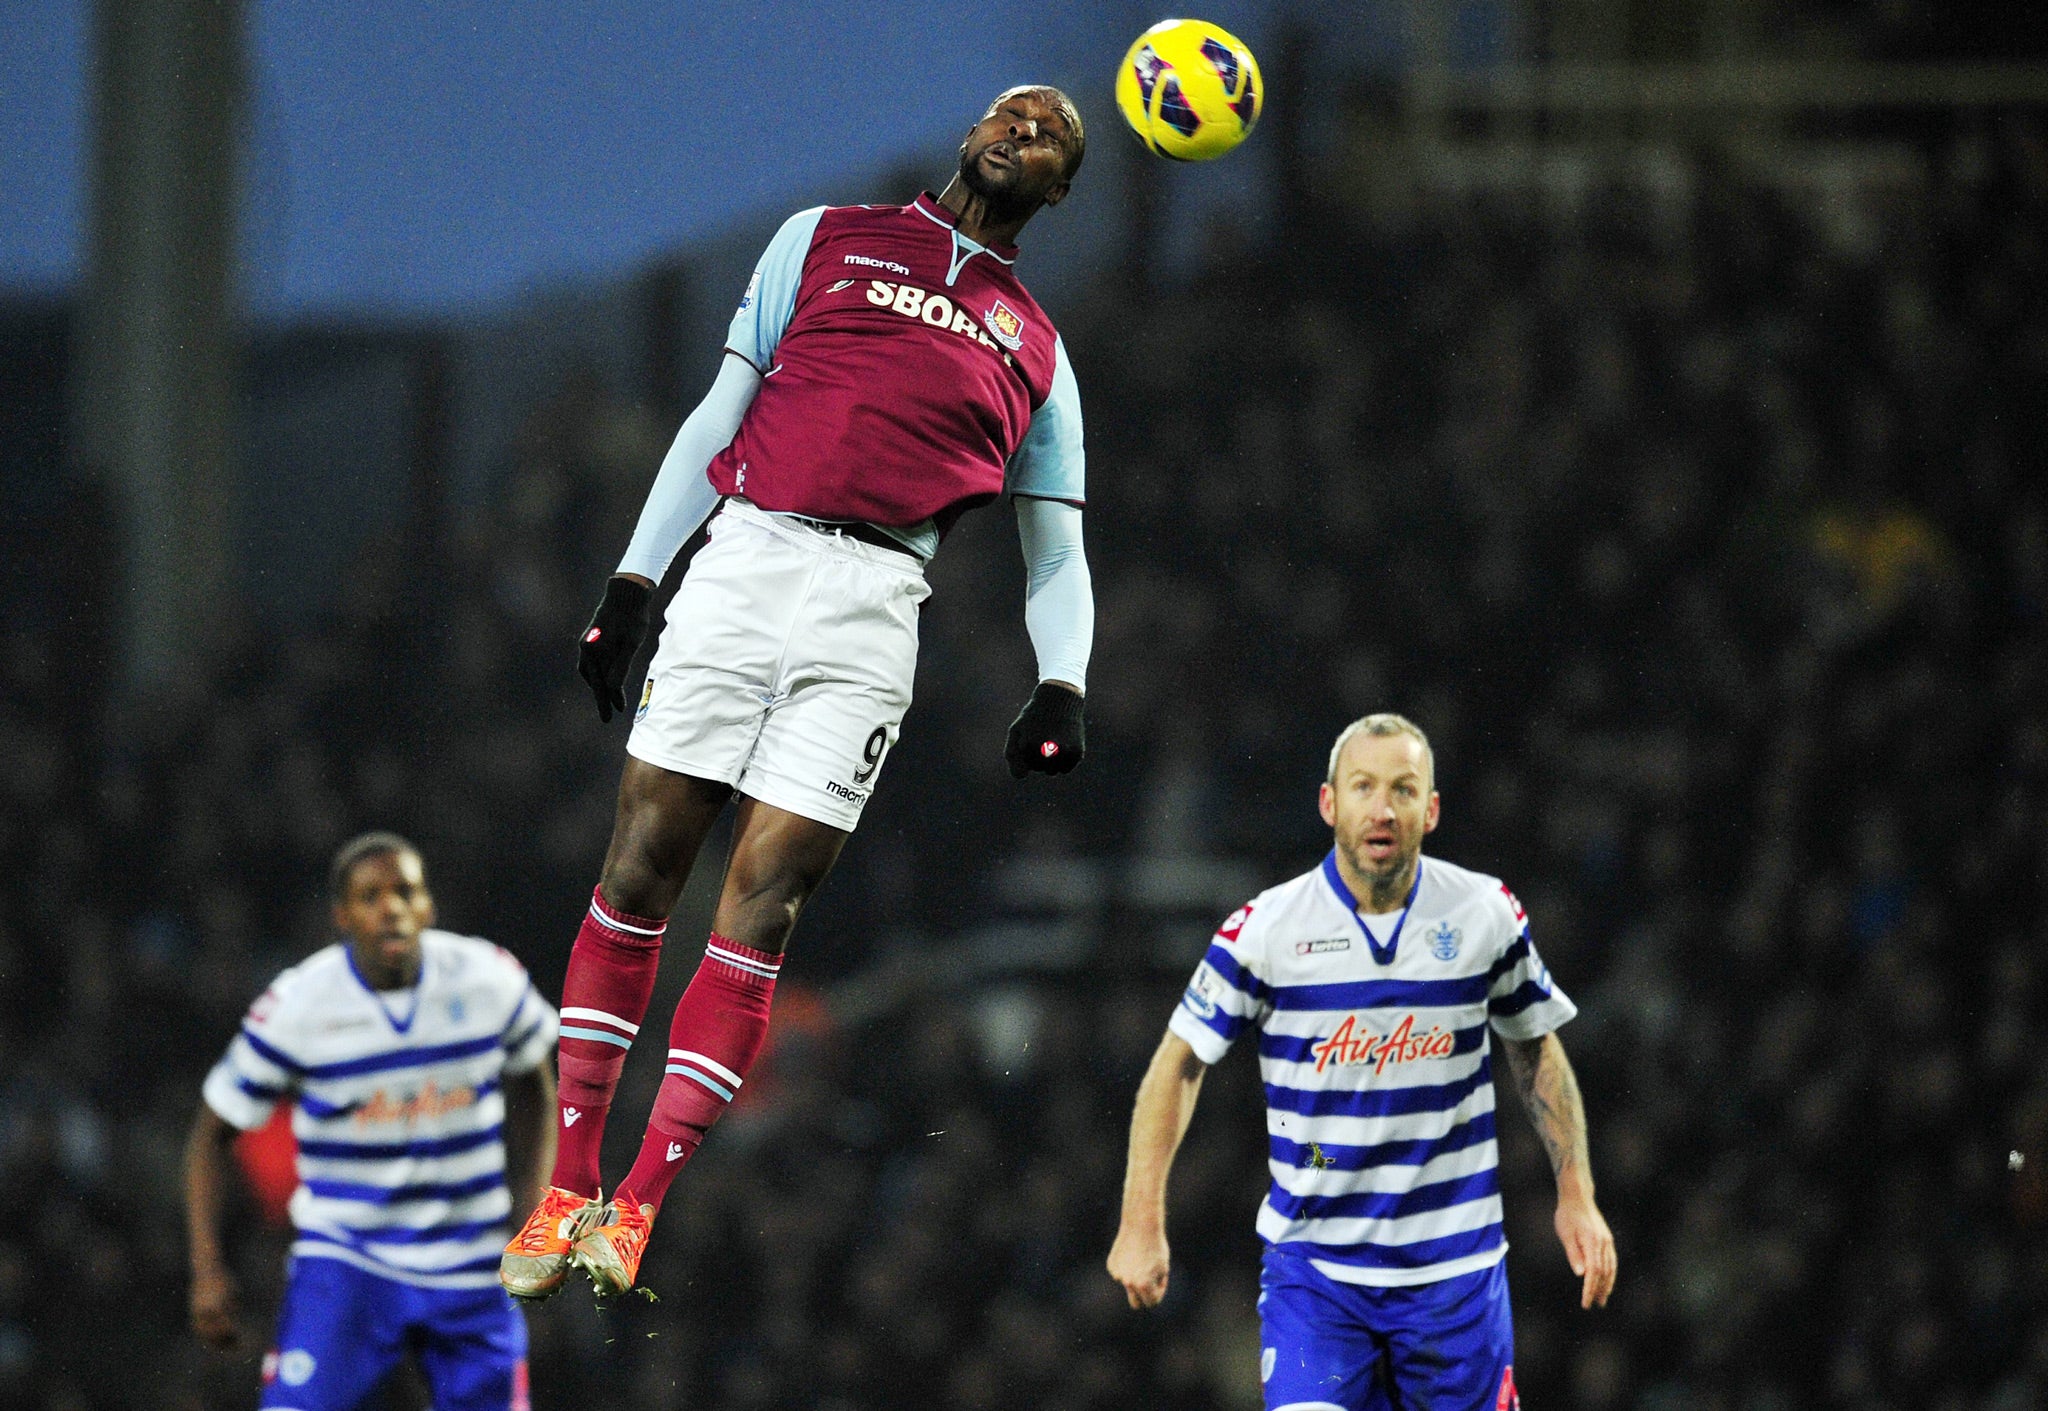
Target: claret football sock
720	1024
604	998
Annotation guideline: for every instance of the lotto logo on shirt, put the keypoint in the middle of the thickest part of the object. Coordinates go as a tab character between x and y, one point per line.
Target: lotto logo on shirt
1356	1046
934	309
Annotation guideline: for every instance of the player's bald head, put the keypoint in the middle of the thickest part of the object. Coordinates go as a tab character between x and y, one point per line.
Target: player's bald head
1076	143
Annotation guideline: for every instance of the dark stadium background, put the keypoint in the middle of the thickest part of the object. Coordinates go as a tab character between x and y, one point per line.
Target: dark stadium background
1653	408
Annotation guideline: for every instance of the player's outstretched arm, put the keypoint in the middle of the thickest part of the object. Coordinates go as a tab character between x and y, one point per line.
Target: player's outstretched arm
1550	1093
680	501
206	1178
1166	1102
1050	735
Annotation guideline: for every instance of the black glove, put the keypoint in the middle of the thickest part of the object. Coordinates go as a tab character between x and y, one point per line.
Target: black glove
609	642
1049	735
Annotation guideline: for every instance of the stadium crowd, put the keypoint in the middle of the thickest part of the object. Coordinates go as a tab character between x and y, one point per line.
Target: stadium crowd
1692	519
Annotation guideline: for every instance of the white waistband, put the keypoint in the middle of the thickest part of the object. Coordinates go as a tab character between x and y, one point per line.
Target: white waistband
807	535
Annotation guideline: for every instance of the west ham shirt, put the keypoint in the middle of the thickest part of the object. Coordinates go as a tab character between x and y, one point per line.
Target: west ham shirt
907	375
1374	1047
398	1110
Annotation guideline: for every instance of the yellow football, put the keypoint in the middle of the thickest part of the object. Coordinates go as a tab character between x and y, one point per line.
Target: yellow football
1189	89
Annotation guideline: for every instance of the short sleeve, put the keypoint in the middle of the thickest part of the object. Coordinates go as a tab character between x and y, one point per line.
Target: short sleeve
529	1033
1226	996
255	1074
1522	1001
1050	464
765	309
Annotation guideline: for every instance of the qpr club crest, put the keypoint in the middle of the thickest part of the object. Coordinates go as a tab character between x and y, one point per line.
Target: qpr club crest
1003	323
1445	940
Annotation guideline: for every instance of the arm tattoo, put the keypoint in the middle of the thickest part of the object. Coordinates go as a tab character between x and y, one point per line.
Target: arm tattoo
1550	1092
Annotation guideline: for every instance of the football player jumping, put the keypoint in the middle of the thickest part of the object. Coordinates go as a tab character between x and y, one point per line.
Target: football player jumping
886	371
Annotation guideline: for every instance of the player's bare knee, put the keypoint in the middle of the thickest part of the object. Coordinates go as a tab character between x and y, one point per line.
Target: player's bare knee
661	822
632	884
762	918
644	870
760	905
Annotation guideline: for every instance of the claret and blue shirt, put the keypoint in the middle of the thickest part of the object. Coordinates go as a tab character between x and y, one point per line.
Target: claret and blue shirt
907	375
885	369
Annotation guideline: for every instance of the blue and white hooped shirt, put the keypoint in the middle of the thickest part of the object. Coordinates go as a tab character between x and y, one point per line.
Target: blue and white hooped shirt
1375	1051
398	1106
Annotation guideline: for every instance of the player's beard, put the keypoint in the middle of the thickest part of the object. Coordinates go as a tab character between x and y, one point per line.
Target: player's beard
1002	202
1386	883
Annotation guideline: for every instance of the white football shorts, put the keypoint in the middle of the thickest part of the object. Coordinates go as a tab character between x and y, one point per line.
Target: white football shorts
785	665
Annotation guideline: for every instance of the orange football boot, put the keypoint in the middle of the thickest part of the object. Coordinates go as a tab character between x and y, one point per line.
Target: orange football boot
610	1254
537	1260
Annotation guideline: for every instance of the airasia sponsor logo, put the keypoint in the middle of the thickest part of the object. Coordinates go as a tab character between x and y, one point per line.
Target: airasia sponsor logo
1354	1045
432	1100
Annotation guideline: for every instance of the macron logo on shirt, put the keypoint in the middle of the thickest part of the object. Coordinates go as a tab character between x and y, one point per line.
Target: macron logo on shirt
872	263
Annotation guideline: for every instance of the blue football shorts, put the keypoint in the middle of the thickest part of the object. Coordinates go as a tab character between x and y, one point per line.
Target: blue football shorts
343	1330
1330	1346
